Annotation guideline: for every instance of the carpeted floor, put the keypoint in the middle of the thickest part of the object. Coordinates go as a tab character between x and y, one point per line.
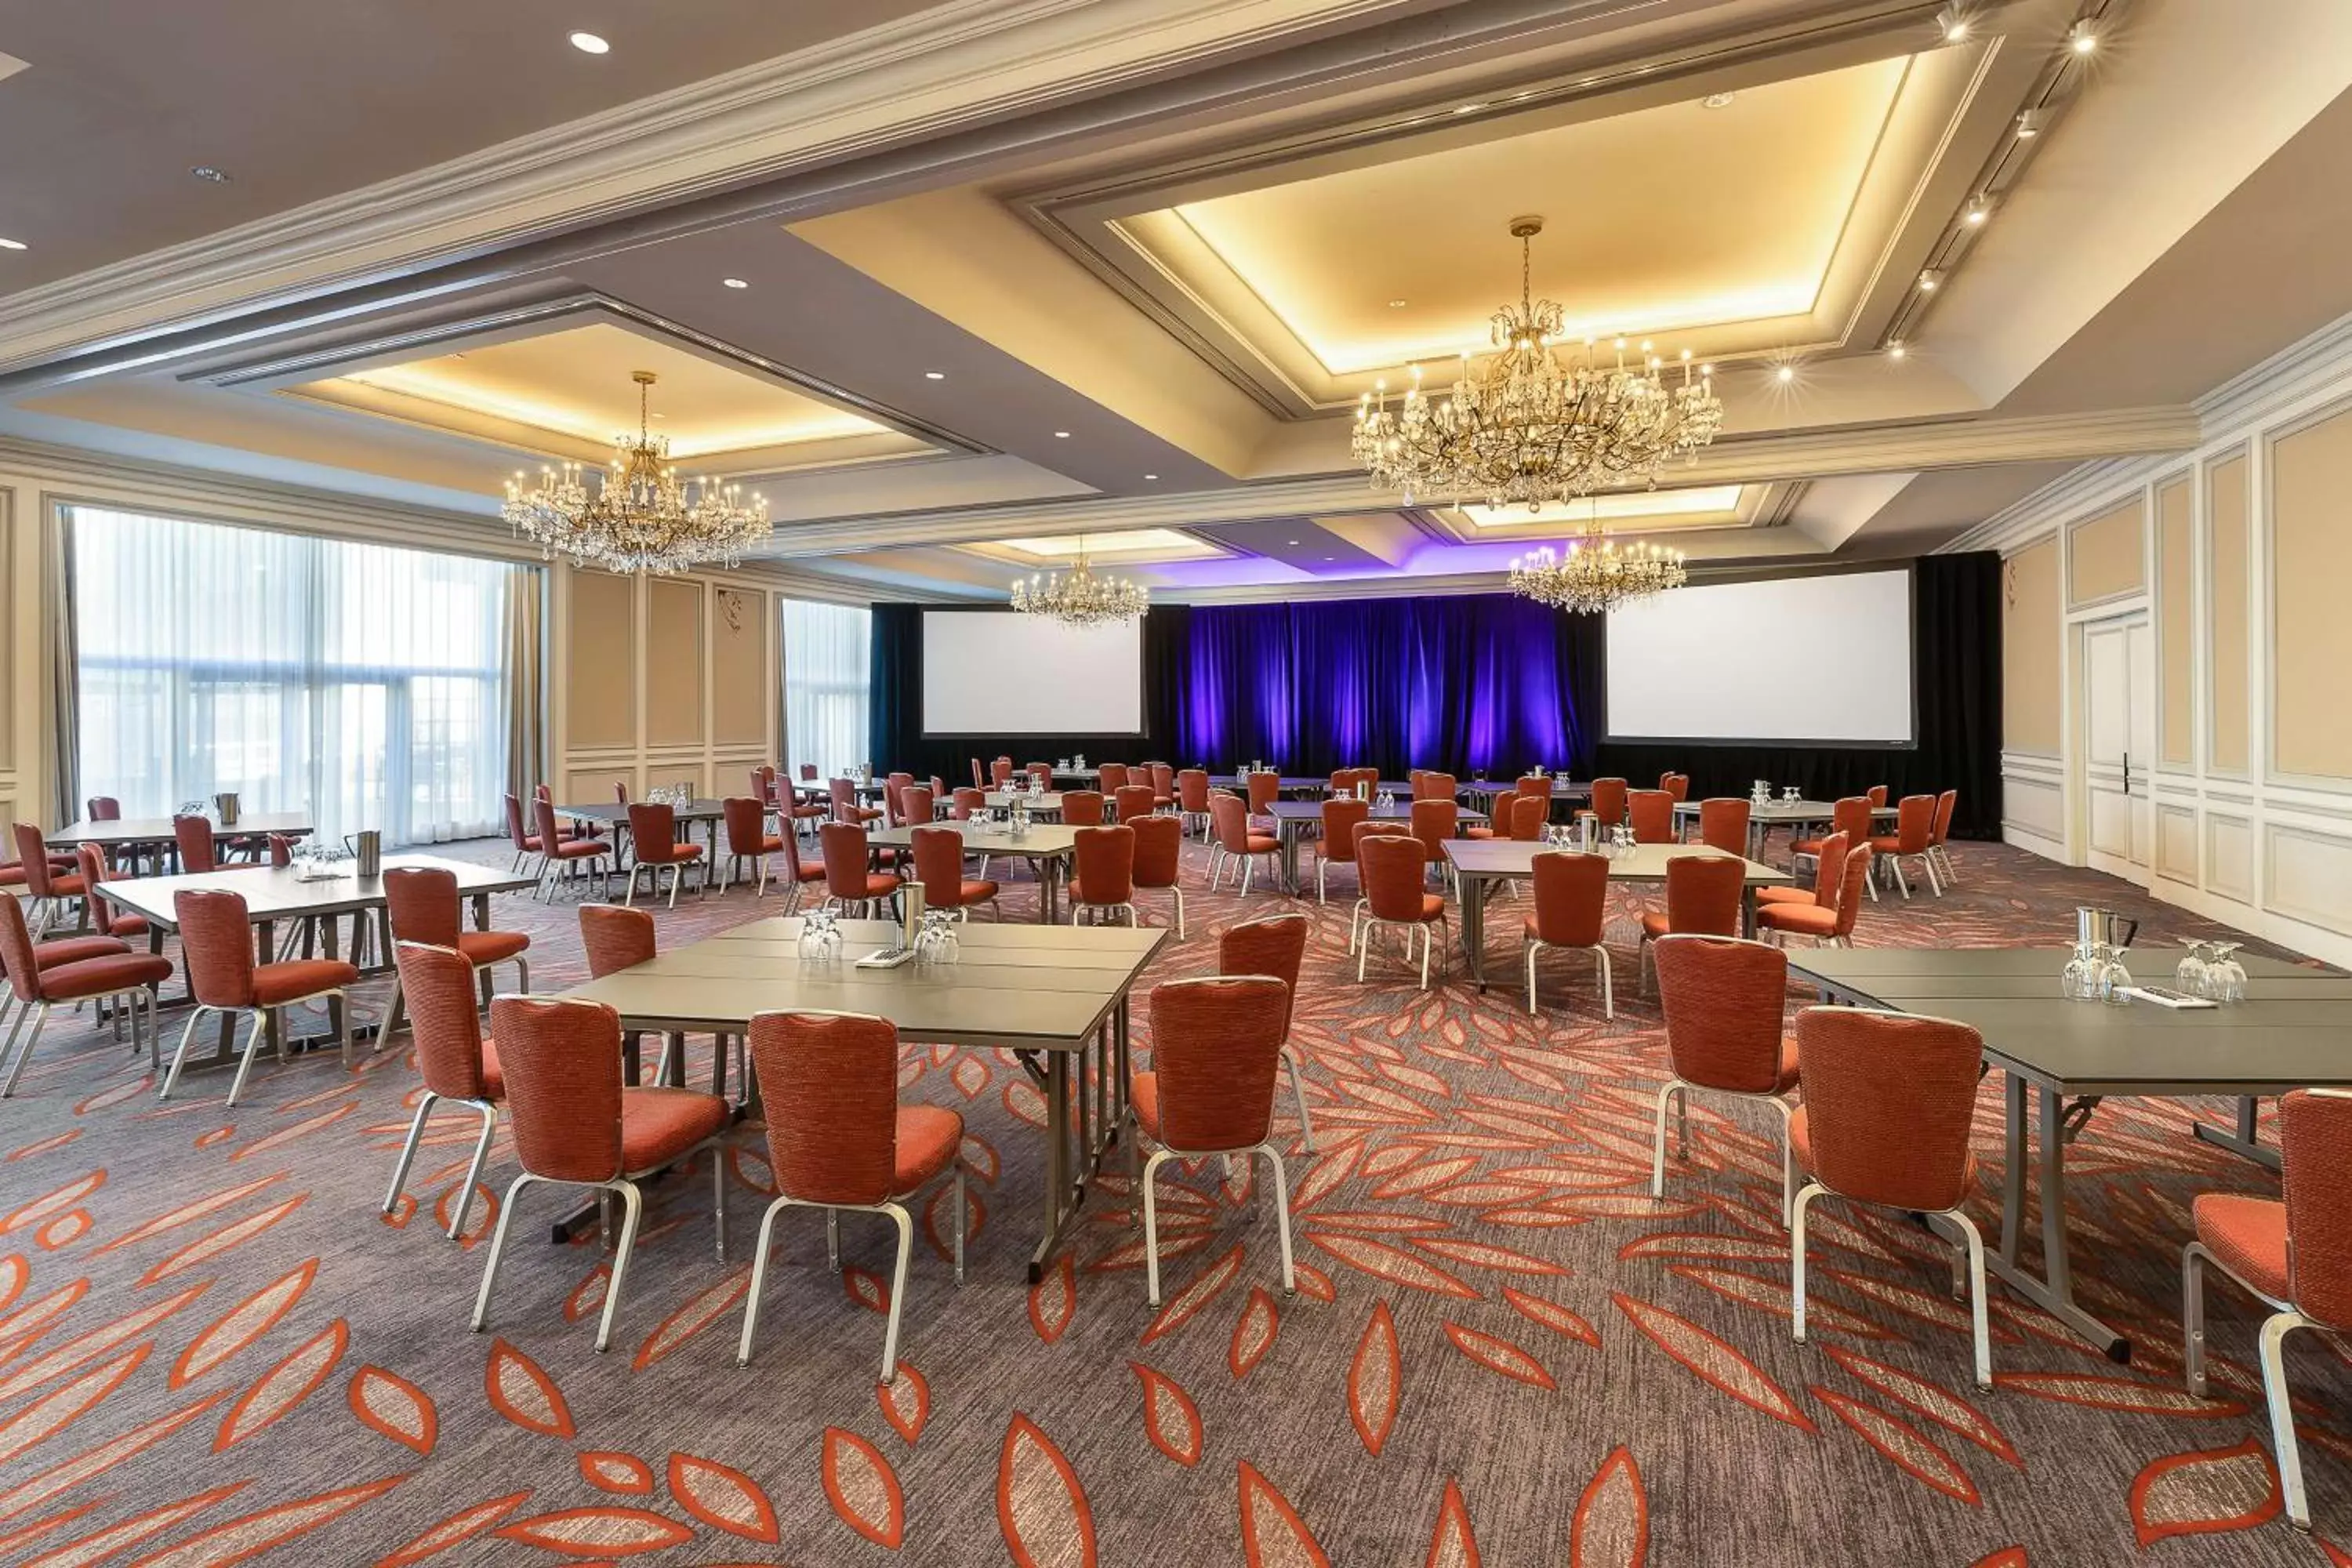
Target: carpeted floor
213	1346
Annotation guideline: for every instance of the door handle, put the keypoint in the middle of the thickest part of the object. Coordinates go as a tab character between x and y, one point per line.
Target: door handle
2127	773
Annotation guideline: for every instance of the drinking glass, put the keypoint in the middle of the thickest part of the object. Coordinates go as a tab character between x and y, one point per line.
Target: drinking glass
2115	977
1789	793
2079	981
2228	982
2194	973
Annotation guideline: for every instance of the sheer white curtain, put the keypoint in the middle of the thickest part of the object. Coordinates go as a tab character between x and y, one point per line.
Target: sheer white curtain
360	683
828	651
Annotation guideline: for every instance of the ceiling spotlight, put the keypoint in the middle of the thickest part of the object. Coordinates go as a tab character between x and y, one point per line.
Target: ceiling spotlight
11	244
1953	23
590	44
935	375
206	172
1717	100
734	282
1894	349
1980	209
1291	541
2082	38
1151	476
2029	122
1061	434
1396	304
1785	375
1929	279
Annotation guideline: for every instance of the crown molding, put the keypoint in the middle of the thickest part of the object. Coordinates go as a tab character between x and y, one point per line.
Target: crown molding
1765	459
941	69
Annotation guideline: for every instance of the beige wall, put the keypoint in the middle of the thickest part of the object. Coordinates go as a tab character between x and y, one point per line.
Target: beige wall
2310	625
743	699
2176	628
600	663
2225	697
674	653
2105	558
2031	664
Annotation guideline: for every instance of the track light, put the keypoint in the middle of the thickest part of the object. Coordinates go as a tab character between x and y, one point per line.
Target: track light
1953	23
1894	349
1980	210
2082	38
2028	124
1929	279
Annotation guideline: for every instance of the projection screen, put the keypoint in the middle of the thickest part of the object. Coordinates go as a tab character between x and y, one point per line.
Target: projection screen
987	673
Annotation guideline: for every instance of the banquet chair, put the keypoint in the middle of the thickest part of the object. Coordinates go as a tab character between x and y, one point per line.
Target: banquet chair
1676	785
1159	859
1529	816
198	846
1264	788
103	808
1850	815
1890	1098
1232	839
1000	771
1702	899
1216	1045
575	1125
421	905
620	793
1041	777
1876	796
798	873
1435	820
966	804
561	856
1831	926
1082	809
1652	812
894	811
1133	802
1164	786
747	839
1428	784
1338	843
846	879
1913	839
48	886
1394	869
614	938
1607	806
937	860
73	969
1102	875
1723	823
526	843
1725	1000
98	915
1571	899
839	1139
1193	800
1275	945
216	950
1110	778
456	1061
654	844
844	802
1828	866
919	806
2293	1254
51	955
1939	845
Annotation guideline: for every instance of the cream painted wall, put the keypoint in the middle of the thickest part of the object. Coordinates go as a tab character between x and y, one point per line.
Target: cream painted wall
2311	568
2033	671
2104	556
2175	651
2225	533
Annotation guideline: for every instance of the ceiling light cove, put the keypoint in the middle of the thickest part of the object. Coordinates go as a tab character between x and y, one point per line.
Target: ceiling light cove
590	44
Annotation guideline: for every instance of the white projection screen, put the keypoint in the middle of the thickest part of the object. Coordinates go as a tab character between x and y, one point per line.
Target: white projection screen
987	673
1820	660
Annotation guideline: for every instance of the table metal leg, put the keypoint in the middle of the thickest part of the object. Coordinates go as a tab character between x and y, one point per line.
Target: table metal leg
1054	1078
2053	1292
1473	926
1747	912
1291	829
330	946
2246	1142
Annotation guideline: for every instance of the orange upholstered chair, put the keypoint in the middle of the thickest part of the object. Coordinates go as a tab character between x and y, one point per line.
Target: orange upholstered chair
838	1139
1232	839
1394	869
2293	1254
1110	778
104	809
50	887
1702	899
217	947
1193	800
1000	771
575	1125
918	805
1216	1045
1163	784
938	867
846	879
1890	1098
844	802
1876	796
1102	875
614	939
1725	1002
1082	809
1829	867
654	842
52	954
894	813
1571	895
1652	812
1913	836
457	1063
1337	845
1275	946
1159	859
1435	820
423	905
1850	815
1132	801
74	969
1676	785
1608	806
1938	841
1041	776
1344	780
98	915
1832	926
1528	816
563	855
1264	788
966	803
525	842
1723	825
748	841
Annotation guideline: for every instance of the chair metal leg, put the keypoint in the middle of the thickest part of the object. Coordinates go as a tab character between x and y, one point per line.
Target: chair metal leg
1298	1098
1608	981
1788	1162
832	1239
1805	1195
2194	1259
1666	1091
898	1292
1281	1215
40	1015
473	1170
962	1209
2275	1330
252	1044
633	1207
1249	865
1426	943
759	1279
1151	1226
180	1056
1534	946
408	1153
497	1249
1979	1330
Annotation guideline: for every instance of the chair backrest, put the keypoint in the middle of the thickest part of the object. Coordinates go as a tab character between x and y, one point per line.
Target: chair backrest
918	804
1703	893
844	799
747	825
615	938
1725	1002
192	835
1571	897
939	787
2316	1149
1163	781
1829	871
1264	789
979	773
1609	801
1723	823
1111	778
830	1083
1652	812
1430	784
436	986
620	793
1082	809
1216	1045
1133	801
1889	1101
422	903
939	865
1945	803
808	773
33	855
215	946
1433	822
1275	945
1527	816
1340	815
1159	849
1192	789
894	811
1104	864
91	860
1000	771
653	830
16	952
1041	775
561	1058
1676	785
516	829
105	808
791	840
1394	868
967	802
1914	824
844	859
762	782
542	810
1851	817
1229	821
1876	796
1858	857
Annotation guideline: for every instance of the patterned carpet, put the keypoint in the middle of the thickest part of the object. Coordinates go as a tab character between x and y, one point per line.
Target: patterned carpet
213	1348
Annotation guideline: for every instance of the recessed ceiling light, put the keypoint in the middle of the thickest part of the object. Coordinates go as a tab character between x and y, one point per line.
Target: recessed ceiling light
12	245
1786	374
1294	541
1396	304
734	282
2082	38
1980	209
935	375
590	44
1331	558
1894	349
206	172
1929	279
1953	23
2028	124
1061	434
1151	476
1717	100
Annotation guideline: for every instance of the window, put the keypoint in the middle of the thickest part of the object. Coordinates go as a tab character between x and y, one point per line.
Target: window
827	653
363	684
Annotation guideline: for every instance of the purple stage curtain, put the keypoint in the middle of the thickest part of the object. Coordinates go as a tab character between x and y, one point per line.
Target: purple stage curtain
1487	684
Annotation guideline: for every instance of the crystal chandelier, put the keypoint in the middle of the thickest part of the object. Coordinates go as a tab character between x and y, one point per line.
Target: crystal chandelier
1528	424
638	515
1596	575
1079	598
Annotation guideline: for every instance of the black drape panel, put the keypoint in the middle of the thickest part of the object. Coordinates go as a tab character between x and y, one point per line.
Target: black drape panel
1956	656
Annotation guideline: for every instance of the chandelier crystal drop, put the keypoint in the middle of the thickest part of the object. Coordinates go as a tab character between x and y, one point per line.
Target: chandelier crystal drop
636	514
1596	575
1079	597
1533	421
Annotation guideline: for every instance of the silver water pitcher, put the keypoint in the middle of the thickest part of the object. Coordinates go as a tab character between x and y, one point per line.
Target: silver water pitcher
2104	928
367	850
225	805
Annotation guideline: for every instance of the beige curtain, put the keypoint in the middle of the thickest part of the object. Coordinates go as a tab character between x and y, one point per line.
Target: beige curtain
65	677
526	681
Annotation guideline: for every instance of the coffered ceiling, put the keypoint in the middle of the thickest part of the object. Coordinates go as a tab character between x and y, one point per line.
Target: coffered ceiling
958	287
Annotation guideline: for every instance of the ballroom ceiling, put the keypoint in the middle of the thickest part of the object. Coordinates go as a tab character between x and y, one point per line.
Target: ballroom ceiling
956	287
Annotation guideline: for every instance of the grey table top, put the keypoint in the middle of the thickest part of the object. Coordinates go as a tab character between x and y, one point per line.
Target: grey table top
616	814
1017	986
1559	791
1647	863
1302	781
1787	810
278	892
2293	1030
1043	838
159	829
1003	799
1401	811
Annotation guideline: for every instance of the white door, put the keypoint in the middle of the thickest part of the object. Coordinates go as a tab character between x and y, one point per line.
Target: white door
2118	708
